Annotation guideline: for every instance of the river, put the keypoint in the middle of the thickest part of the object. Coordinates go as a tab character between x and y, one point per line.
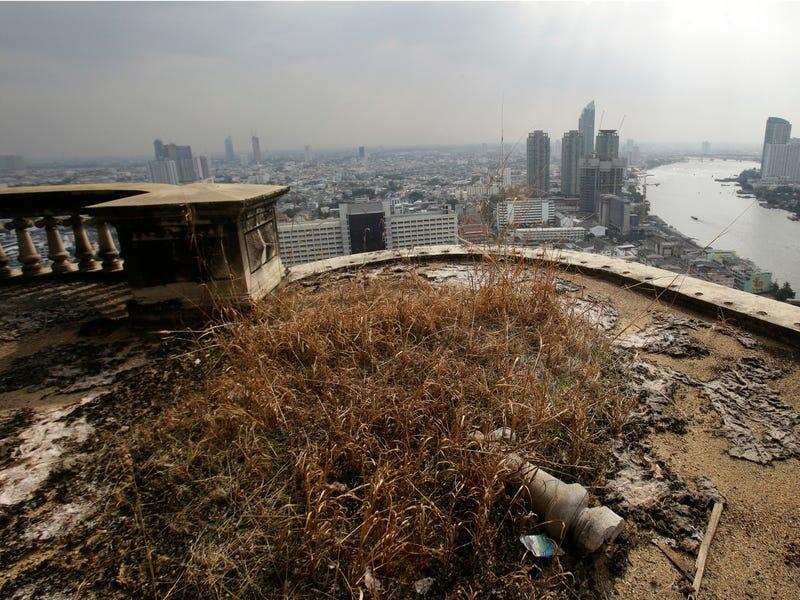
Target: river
763	235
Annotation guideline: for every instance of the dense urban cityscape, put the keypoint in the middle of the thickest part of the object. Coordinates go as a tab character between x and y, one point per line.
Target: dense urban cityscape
583	191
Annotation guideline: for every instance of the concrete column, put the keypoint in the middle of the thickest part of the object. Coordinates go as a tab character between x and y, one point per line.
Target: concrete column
107	249
5	271
57	253
28	255
83	248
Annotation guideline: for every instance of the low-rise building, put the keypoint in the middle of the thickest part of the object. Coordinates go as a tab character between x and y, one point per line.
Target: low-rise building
531	236
365	226
750	280
302	242
524	212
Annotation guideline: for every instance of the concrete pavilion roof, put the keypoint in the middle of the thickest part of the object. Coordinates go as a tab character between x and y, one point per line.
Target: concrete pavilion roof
54	199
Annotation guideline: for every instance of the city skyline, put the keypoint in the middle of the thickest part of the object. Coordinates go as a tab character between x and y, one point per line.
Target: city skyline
104	80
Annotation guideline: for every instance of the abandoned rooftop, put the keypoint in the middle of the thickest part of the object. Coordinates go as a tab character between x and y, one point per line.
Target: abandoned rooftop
181	416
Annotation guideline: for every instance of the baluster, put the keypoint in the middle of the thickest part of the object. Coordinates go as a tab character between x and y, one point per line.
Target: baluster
83	248
107	250
28	255
6	272
56	251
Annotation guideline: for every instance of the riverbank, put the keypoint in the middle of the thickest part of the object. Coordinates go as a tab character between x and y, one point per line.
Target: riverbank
691	199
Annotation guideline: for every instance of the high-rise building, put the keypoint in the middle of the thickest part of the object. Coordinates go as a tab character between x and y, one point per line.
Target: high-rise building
158	146
308	153
163	171
598	177
782	162
586	129
571	148
556	154
256	150
182	155
607	147
539	162
705	148
183	161
230	157
362	153
778	131
202	167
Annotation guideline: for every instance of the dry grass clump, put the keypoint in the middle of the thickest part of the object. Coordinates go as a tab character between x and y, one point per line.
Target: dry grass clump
332	447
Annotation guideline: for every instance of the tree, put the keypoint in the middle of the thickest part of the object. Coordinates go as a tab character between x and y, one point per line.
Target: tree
785	292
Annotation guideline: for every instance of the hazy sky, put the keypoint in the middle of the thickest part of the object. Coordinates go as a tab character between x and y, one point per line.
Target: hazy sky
106	79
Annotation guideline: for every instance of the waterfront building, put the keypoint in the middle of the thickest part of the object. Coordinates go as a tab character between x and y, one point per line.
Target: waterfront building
163	171
586	129
615	212
607	147
256	149
752	280
523	212
230	157
777	131
571	147
781	163
599	177
538	158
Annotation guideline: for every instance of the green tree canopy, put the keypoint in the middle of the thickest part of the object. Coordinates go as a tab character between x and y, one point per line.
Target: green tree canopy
785	292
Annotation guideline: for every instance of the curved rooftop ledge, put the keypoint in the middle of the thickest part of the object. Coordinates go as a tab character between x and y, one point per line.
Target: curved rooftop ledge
761	315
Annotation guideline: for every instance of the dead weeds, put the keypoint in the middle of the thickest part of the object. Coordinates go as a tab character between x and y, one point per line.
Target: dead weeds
328	454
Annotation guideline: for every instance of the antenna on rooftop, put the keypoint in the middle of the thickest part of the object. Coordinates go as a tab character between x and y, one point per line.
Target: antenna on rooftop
502	137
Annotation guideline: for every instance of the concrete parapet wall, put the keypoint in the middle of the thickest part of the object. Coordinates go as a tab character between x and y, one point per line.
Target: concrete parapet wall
768	317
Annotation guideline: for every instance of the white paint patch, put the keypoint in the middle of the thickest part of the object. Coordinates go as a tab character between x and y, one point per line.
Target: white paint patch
39	453
60	522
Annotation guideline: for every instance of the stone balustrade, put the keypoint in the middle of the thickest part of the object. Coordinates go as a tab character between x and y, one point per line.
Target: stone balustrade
186	247
86	259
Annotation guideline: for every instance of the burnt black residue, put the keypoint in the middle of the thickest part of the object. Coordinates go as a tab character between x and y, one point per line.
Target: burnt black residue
60	365
643	488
